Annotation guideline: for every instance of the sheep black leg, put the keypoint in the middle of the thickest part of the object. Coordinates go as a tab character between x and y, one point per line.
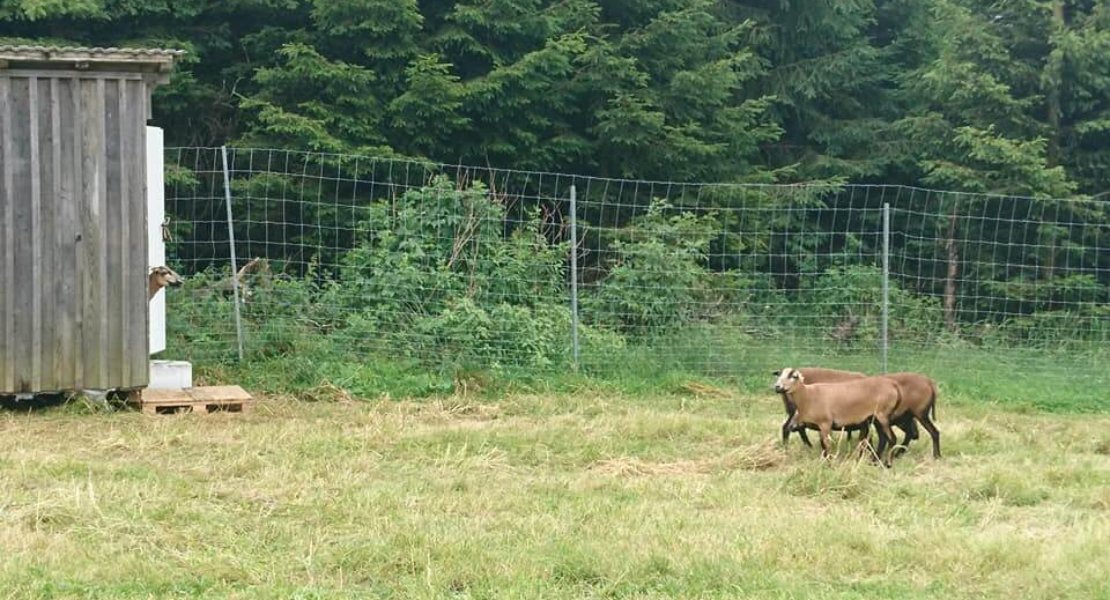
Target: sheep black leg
865	429
885	450
909	427
882	445
911	432
802	434
886	437
933	433
900	449
864	440
791	409
786	429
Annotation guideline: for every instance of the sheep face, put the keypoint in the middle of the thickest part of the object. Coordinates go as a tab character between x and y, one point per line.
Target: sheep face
164	276
787	379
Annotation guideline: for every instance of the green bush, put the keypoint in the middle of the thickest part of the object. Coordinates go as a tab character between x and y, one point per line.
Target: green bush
200	322
435	277
1059	329
855	292
660	277
536	338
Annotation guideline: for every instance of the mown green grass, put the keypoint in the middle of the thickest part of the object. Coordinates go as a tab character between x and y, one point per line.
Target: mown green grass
1016	379
552	495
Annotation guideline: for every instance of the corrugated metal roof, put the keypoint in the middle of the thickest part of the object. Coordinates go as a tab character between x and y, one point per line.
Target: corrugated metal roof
161	57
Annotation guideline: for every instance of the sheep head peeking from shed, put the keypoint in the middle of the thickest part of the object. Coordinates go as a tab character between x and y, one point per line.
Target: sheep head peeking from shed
160	277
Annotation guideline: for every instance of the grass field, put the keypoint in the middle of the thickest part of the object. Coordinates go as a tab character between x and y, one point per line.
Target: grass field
576	495
1015	379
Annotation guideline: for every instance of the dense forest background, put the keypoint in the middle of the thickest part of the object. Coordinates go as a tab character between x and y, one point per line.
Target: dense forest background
1002	104
1009	96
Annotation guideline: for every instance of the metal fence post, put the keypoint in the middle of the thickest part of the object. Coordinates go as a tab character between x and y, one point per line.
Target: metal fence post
886	284
574	274
231	244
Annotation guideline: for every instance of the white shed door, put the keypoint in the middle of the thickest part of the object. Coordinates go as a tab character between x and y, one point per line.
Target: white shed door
156	211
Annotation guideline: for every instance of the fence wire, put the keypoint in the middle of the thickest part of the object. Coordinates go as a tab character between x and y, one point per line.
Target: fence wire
384	259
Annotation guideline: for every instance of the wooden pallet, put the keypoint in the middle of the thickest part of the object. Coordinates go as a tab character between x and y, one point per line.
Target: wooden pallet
206	399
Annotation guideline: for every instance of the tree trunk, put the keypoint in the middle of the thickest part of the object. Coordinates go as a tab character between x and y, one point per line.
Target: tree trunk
953	251
1050	261
1055	65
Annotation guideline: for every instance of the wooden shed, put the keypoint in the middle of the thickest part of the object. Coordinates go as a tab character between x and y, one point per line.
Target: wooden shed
73	216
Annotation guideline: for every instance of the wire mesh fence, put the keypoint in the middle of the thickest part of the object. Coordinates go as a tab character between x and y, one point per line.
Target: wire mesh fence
386	259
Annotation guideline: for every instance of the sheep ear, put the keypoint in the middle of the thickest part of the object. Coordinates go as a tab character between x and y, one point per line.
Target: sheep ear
777	373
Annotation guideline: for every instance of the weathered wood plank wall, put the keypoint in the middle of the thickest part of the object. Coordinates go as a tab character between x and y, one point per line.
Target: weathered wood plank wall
72	230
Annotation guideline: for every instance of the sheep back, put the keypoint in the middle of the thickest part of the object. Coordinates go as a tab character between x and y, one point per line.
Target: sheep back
823	375
853	401
918	393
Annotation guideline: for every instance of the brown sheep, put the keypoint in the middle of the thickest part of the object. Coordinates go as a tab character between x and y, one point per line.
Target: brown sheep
812	375
904	421
161	277
257	266
919	401
852	403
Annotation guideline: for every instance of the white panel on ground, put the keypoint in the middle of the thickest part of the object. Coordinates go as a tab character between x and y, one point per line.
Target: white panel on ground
170	374
156	211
